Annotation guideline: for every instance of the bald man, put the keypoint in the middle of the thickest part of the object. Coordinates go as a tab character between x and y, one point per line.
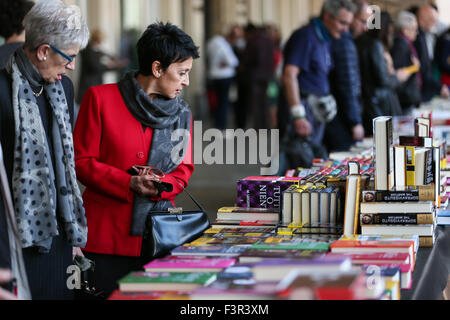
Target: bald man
427	17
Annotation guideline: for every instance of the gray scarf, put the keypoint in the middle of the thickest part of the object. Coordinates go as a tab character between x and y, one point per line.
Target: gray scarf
39	185
164	116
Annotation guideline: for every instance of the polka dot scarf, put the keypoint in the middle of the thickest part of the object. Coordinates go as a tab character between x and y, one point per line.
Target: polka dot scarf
40	184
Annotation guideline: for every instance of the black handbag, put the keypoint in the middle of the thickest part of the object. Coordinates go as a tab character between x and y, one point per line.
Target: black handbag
166	230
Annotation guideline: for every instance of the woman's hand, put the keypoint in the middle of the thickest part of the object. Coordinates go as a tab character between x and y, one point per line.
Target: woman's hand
6	276
143	186
76	251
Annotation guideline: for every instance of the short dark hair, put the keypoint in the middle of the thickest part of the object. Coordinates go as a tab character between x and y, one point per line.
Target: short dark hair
165	43
12	13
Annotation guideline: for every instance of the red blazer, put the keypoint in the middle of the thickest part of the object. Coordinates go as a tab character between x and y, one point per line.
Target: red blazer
108	140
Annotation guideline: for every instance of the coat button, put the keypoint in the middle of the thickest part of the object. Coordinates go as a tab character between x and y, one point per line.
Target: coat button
140	155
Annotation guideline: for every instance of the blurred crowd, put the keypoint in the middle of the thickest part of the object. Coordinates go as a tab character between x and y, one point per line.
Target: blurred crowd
326	83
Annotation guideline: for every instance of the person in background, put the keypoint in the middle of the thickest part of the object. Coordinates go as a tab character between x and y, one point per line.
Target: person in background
346	128
307	63
427	17
258	65
378	78
404	55
442	57
12	13
126	124
36	120
94	64
273	92
222	64
13	276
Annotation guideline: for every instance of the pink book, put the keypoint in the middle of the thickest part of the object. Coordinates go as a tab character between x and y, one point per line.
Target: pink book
188	264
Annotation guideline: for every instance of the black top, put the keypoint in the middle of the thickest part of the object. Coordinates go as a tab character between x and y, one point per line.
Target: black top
7	139
431	86
6	51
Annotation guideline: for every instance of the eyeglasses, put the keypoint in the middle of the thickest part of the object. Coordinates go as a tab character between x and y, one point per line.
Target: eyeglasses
65	56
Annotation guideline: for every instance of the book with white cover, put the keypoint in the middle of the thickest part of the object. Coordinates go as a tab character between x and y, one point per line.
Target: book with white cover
384	153
351	215
426	230
398	207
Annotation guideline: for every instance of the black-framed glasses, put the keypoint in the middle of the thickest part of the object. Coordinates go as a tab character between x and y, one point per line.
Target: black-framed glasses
65	56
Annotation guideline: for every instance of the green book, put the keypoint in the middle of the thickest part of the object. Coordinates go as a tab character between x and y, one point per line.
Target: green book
165	281
291	246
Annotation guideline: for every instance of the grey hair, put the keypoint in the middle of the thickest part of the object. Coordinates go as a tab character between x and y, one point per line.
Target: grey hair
360	5
334	6
405	19
55	23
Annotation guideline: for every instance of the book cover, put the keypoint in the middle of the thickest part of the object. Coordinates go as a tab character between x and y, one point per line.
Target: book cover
381	257
263	192
297	205
342	246
243	223
397	207
256	255
415	141
396	218
410	166
352	194
293	246
325	205
286	216
306	205
188	264
400	194
325	285
165	281
239	213
400	166
384	153
414	238
210	250
392	229
315	204
277	269
243	289
443	217
151	295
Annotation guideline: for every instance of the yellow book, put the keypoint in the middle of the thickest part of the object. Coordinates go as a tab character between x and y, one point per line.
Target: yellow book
410	166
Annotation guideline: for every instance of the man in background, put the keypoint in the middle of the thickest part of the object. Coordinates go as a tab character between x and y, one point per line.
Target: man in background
12	13
307	65
427	17
345	81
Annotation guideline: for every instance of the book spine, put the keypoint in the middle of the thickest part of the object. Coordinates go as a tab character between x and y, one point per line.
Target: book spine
425	242
410	166
429	174
396	218
420	194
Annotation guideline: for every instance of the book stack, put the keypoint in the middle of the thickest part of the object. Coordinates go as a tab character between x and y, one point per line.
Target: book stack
407	184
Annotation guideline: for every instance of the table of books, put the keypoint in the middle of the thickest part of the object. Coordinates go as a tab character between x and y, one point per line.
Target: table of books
358	227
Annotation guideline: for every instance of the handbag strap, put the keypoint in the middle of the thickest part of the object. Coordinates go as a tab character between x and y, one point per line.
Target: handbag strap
190	195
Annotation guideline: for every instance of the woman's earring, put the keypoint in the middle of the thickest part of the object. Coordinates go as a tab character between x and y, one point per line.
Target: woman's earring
44	58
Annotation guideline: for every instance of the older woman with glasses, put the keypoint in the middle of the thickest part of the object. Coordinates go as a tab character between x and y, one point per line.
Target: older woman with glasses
36	121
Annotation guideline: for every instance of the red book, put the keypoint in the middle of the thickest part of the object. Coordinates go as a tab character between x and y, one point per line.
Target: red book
371	246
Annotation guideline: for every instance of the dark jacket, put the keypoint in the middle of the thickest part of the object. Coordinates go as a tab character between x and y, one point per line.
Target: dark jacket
345	83
6	51
378	85
431	87
92	70
409	91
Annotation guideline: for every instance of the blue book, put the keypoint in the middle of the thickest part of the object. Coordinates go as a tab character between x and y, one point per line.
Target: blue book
443	217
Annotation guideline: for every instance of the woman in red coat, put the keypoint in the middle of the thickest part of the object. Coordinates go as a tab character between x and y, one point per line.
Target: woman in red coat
132	123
